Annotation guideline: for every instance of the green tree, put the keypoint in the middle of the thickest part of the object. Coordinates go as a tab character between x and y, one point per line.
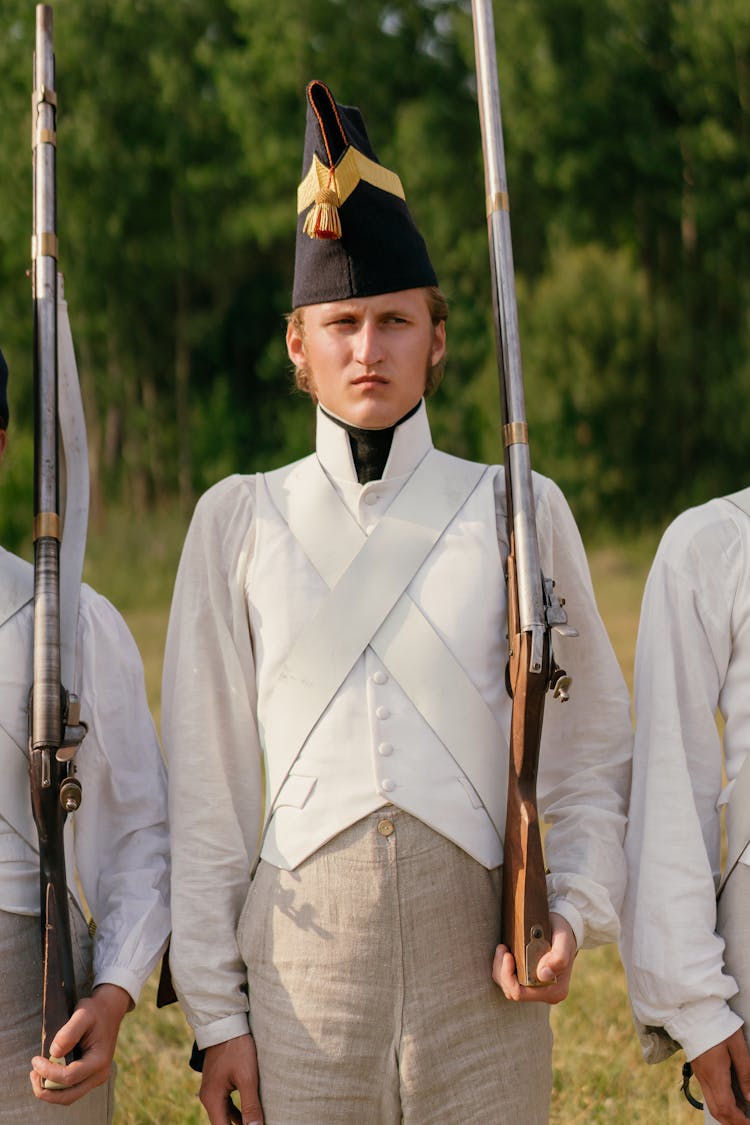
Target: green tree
179	141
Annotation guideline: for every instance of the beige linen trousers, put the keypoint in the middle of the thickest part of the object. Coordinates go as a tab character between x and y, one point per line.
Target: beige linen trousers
21	1022
371	996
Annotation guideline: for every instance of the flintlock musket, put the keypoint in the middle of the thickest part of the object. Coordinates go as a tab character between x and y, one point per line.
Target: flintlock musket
533	606
55	729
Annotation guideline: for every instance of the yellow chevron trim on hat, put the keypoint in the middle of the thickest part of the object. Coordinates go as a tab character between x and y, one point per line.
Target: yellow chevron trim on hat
353	167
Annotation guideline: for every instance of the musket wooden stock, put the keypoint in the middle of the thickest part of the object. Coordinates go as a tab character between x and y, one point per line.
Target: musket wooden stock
525	913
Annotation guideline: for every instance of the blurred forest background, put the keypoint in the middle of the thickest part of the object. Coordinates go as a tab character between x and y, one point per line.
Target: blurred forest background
627	132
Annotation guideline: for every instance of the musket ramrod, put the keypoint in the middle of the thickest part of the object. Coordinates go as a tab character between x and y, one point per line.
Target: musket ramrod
55	730
533	607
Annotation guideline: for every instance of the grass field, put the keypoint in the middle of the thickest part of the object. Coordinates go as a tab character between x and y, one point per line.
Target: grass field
598	1072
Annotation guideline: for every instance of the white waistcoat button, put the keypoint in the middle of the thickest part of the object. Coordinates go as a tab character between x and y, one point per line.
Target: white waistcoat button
371	498
382	712
379	677
387	785
385	749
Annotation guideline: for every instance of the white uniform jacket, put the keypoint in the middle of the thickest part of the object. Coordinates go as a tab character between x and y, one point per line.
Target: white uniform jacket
117	843
692	658
345	702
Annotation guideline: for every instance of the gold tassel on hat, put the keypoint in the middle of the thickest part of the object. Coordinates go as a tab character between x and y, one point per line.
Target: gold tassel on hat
324	190
323	219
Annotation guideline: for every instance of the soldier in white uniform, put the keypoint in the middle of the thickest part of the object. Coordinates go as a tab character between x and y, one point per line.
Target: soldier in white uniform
688	963
117	846
336	657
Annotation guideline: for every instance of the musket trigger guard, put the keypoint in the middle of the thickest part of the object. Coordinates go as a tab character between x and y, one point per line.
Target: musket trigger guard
687	1074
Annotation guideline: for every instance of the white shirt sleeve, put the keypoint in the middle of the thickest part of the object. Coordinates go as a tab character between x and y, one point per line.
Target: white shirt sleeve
584	763
215	777
672	954
120	830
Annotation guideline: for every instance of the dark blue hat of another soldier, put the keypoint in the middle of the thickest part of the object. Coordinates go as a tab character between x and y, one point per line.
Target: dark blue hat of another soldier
355	235
3	393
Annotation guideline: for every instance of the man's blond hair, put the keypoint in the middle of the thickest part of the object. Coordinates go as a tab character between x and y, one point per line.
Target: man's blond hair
437	305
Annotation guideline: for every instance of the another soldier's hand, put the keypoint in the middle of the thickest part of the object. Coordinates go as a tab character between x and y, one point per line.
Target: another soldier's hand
230	1066
713	1069
94	1025
557	963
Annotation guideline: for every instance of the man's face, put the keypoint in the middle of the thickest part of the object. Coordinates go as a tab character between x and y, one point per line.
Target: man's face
368	357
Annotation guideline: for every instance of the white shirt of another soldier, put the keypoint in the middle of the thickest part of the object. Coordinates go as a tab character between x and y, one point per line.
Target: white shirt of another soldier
117	843
244	588
693	656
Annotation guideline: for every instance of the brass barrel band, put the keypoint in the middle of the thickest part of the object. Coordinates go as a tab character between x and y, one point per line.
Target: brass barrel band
45	137
497	202
44	245
47	525
44	94
516	433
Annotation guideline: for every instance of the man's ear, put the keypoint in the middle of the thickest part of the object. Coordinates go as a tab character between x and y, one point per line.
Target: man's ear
438	343
295	344
3	440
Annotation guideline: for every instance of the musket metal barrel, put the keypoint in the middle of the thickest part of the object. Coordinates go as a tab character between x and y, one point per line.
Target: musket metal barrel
530	590
46	728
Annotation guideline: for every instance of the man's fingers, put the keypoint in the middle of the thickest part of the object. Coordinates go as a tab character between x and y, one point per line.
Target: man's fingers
216	1104
231	1067
234	1115
93	1065
740	1057
240	1117
69	1091
47	1070
713	1069
222	1110
71	1080
550	968
553	967
70	1033
504	972
252	1114
723	1106
553	971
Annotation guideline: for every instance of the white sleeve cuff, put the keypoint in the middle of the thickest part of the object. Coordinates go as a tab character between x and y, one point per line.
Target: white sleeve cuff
123	978
230	1027
702	1024
571	916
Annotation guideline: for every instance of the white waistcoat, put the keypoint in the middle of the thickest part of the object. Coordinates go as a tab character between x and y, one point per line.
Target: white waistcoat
16	595
426	729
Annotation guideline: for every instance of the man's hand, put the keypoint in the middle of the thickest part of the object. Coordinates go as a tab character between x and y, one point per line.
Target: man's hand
230	1066
713	1069
557	963
94	1024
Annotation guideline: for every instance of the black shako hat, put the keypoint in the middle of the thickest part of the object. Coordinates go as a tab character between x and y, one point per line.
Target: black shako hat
355	235
4	415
